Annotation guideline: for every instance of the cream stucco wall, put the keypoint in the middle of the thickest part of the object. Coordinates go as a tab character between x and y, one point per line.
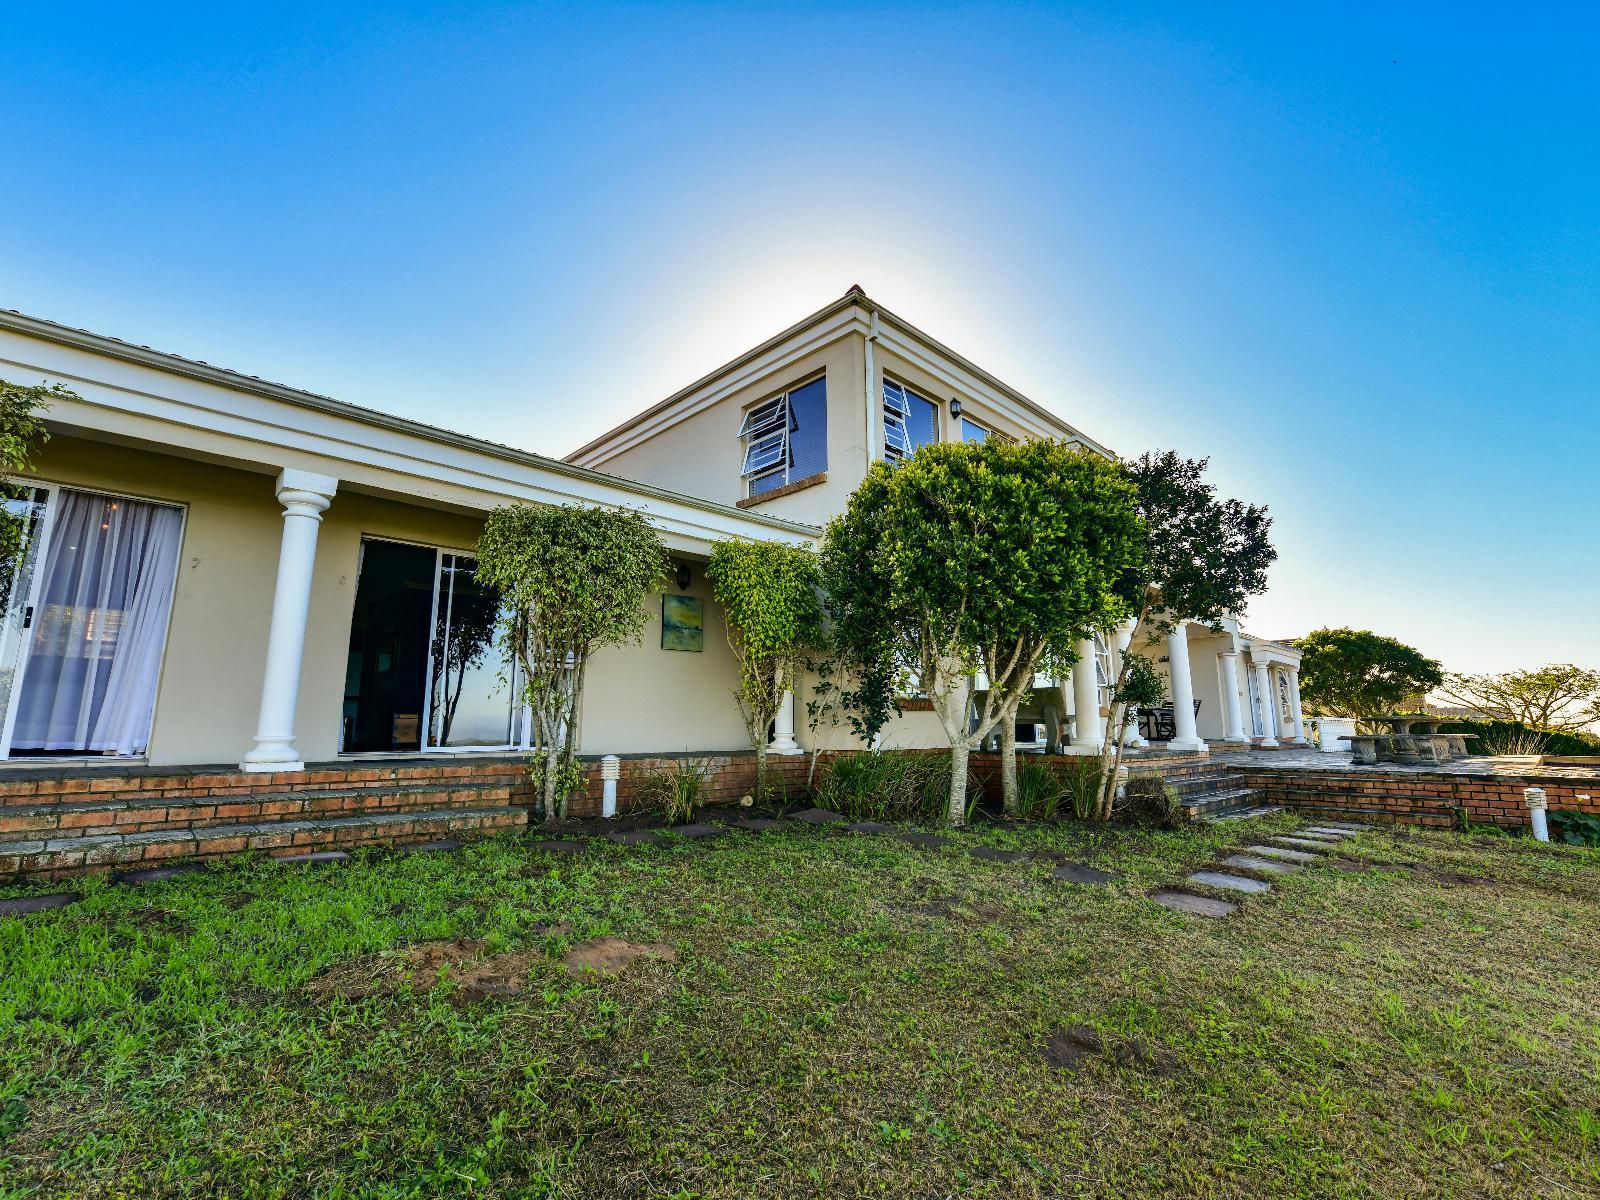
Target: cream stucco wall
639	698
702	454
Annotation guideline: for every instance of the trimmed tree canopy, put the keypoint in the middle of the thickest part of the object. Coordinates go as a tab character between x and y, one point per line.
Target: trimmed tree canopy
1559	698
1358	673
572	579
970	555
768	594
21	432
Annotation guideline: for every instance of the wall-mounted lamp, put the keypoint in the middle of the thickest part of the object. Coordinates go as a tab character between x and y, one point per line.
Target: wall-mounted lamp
955	407
683	577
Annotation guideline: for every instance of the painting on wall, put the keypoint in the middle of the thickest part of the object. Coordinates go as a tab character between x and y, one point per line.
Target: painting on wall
683	623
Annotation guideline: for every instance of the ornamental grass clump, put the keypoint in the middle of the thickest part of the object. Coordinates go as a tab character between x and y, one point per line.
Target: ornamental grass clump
887	785
677	789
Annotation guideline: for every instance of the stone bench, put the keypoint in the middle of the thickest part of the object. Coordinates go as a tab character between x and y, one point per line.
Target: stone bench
1369	749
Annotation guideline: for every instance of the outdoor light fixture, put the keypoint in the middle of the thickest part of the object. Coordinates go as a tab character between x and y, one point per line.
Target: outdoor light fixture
683	576
955	407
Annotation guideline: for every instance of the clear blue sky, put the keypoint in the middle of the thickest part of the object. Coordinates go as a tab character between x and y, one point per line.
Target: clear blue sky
1352	256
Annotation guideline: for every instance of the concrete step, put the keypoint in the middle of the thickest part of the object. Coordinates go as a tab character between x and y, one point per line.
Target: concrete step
96	818
61	856
1211	806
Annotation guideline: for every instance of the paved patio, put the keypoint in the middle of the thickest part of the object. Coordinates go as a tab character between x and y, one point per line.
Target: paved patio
1312	760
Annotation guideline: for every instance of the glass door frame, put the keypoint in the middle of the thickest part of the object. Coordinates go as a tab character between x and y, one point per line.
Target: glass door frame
520	722
42	538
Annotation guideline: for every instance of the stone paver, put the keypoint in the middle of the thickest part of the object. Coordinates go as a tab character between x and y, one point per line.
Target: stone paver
928	841
315	856
1082	873
818	816
869	827
1350	826
1198	906
1248	862
557	846
1331	832
700	831
1287	839
437	846
636	837
157	874
22	905
994	855
1231	883
1295	856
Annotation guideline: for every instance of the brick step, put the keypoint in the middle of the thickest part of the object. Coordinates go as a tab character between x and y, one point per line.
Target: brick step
54	858
1188	785
90	818
1210	805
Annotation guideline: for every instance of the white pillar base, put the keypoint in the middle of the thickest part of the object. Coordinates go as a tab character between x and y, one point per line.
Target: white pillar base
1187	745
783	729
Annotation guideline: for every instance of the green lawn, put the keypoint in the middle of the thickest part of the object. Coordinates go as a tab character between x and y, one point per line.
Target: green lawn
846	1016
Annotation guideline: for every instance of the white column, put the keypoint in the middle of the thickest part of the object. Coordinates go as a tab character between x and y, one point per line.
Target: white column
304	497
1269	721
1182	692
1296	716
1130	718
1231	711
783	728
1088	731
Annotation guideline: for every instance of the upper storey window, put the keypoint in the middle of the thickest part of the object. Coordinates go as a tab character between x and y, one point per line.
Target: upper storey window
909	421
786	438
971	431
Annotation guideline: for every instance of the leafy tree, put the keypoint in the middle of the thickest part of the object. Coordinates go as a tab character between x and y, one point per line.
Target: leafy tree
1355	672
22	432
768	594
1559	698
573	579
1203	559
967	556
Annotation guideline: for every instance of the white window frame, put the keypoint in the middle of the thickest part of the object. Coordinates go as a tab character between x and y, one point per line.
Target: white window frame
896	412
765	433
1102	669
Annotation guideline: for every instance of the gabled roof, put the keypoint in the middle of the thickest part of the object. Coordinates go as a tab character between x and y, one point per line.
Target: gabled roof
855	297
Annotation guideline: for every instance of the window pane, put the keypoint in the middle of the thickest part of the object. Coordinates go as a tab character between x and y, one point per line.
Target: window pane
808	439
471	703
767	452
973	433
762	484
909	420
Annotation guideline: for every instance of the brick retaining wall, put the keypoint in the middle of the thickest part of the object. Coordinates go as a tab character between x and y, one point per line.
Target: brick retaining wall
1420	797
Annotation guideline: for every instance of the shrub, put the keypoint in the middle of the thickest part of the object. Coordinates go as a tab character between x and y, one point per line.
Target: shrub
1512	737
1577	828
887	785
1148	800
675	790
1080	778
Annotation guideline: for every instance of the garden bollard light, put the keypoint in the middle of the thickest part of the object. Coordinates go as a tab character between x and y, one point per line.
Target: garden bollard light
1537	803
610	772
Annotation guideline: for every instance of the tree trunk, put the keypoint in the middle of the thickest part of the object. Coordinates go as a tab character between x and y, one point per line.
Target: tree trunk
1008	757
761	769
548	789
957	811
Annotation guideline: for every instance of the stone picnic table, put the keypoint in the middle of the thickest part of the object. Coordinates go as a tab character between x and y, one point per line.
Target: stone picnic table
1413	740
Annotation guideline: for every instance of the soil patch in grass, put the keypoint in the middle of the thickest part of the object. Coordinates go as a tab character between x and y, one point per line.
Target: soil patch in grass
609	955
417	968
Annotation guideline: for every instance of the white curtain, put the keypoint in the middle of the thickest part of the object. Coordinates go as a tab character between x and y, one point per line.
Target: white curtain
100	626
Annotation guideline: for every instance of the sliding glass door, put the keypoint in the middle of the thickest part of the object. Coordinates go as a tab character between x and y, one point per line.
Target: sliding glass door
85	620
426	670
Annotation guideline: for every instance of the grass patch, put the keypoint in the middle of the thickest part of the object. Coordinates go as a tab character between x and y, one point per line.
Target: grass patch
837	1016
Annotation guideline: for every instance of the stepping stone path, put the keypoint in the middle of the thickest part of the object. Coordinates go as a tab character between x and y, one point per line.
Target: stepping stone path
23	905
1081	873
928	841
699	831
1197	906
559	847
435	847
1230	883
1276	859
755	824
818	816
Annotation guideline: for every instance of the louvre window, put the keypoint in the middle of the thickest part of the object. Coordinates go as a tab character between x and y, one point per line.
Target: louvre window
909	421
786	438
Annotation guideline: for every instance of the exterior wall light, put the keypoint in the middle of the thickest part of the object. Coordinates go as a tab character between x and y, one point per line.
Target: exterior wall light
683	577
955	407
